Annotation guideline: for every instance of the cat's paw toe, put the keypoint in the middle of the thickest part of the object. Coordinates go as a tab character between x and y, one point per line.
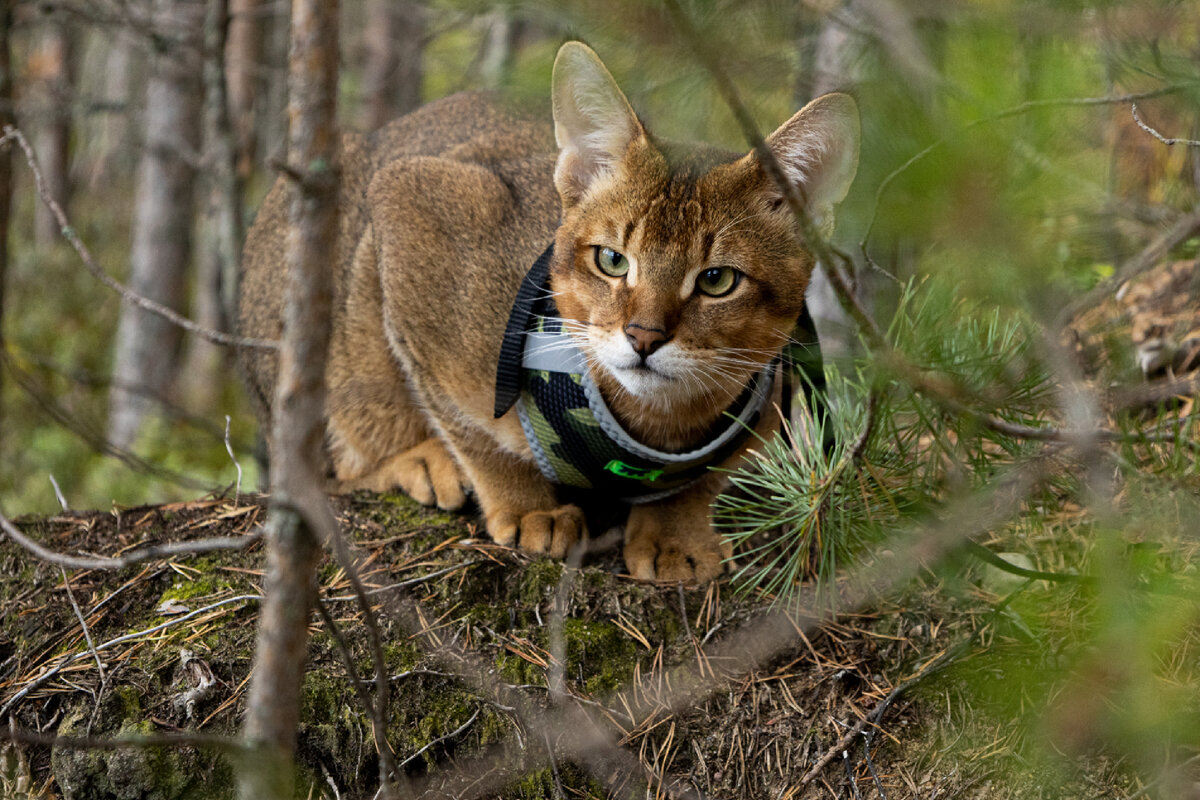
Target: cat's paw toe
689	561
551	532
428	474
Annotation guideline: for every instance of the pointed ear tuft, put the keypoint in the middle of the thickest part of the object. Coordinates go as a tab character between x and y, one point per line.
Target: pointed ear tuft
818	150
593	122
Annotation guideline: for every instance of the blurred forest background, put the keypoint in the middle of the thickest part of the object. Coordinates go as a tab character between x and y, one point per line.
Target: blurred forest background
1023	228
156	122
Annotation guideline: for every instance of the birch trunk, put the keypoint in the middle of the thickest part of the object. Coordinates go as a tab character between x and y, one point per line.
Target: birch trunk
147	346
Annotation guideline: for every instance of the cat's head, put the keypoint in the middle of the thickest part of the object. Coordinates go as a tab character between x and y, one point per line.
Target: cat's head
681	265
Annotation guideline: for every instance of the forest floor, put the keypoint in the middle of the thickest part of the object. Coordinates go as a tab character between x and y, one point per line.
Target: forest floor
469	645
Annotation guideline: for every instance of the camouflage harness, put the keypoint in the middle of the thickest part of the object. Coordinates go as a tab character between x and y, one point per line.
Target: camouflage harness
574	437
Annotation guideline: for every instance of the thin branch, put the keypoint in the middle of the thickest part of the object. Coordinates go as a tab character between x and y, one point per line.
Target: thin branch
223	744
833	258
1156	134
440	739
148	553
382	747
92	438
1013	111
1149	257
1152	785
328	530
1126	397
87	632
127	294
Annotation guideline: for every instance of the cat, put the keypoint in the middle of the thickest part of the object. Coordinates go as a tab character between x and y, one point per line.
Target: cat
669	275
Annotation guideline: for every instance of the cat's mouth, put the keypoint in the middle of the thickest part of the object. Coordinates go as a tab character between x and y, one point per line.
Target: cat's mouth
643	380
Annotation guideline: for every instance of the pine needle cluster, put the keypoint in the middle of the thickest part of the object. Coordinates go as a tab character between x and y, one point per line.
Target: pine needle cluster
873	452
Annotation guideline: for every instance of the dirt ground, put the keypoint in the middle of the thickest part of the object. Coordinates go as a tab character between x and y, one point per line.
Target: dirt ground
467	629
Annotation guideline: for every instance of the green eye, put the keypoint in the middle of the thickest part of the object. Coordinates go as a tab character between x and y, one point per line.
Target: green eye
718	281
611	262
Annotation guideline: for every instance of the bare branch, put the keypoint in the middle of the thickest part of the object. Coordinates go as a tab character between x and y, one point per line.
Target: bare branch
87	632
209	741
127	294
1156	134
1150	256
148	553
1013	111
440	739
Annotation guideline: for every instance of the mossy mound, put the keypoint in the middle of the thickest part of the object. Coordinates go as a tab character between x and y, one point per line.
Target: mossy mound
474	635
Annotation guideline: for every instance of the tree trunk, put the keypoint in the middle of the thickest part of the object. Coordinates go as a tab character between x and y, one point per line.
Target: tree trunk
394	70
6	118
499	48
299	508
51	72
271	122
115	151
221	233
243	56
147	345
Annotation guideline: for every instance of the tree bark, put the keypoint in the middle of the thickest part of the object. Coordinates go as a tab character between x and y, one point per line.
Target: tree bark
299	508
499	47
147	346
6	118
215	287
51	71
395	60
243	56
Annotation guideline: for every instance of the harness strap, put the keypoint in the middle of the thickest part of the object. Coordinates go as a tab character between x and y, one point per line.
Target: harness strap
508	368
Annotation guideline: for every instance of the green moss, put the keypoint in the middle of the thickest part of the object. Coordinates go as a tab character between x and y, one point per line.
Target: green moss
187	588
540	784
399	510
517	670
538	581
150	773
602	647
129	702
534	786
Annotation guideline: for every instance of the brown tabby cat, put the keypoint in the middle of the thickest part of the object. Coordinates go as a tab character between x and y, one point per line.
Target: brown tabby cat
676	270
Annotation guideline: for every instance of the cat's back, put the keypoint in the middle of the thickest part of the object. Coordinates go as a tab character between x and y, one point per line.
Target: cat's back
476	128
481	121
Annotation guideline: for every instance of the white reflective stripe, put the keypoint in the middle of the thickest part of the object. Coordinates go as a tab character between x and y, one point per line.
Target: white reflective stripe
553	352
737	426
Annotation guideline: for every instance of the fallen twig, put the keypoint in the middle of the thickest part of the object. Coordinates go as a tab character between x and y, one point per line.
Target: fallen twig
148	553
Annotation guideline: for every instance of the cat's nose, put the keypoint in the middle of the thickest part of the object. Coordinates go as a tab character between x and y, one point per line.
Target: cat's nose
645	340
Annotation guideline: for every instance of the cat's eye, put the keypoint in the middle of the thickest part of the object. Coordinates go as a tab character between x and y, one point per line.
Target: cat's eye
610	262
718	281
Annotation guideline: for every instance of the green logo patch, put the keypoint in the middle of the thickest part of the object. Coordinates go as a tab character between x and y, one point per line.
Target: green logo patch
617	467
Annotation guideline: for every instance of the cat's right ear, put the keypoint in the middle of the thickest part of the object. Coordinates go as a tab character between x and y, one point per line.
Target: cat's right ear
593	122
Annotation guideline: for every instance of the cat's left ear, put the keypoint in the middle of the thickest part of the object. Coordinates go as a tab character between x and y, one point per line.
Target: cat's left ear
593	122
818	150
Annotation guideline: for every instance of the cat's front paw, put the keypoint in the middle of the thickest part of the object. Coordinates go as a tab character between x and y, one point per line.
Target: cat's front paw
552	532
659	548
427	473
